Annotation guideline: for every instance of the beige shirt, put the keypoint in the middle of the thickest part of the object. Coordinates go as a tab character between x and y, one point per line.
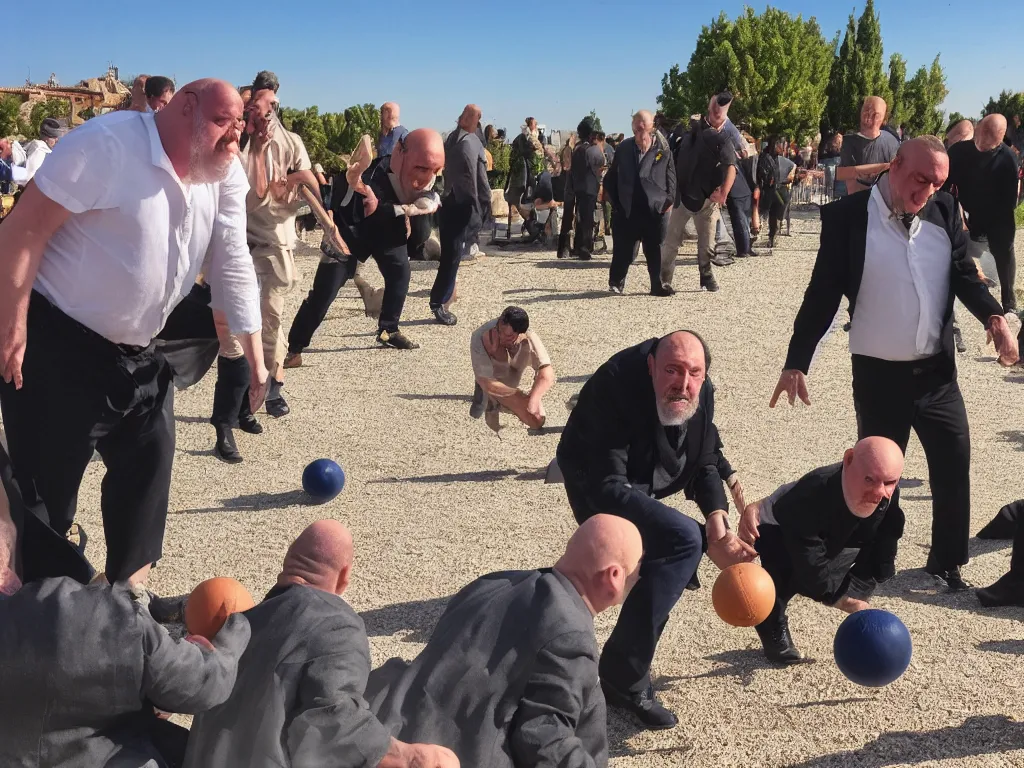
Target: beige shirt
272	222
508	369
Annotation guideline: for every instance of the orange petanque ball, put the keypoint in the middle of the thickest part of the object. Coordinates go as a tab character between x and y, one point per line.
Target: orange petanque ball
211	602
743	595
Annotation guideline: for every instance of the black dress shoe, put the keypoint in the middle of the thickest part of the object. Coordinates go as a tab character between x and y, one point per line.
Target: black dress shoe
694	583
563	247
708	283
249	425
778	644
663	290
225	449
1009	590
584	256
951	577
395	340
643	706
278	407
444	317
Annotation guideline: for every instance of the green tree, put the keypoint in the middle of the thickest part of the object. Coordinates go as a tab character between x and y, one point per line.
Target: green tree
869	78
360	120
842	109
775	64
58	108
925	91
595	120
1008	103
10	107
897	88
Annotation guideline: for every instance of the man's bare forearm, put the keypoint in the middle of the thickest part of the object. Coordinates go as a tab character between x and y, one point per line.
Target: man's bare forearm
495	388
543	381
252	348
854	172
730	178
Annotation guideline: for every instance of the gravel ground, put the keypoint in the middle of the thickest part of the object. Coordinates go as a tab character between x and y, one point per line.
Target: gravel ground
434	499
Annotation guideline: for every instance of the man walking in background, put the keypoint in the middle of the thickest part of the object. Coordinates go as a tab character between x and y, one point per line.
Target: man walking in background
867	154
466	205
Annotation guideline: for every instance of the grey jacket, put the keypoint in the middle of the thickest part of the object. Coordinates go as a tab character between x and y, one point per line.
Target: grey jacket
298	700
656	175
587	164
82	668
508	678
465	172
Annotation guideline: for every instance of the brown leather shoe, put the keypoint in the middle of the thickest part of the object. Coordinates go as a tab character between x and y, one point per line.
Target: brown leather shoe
293	360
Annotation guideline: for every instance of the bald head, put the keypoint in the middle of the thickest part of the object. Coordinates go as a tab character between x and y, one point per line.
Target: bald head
320	557
872	116
470	118
960	131
602	560
990	132
416	161
389	116
200	128
871	472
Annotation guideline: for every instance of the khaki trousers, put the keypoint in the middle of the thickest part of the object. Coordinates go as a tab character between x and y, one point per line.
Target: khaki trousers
705	220
277	277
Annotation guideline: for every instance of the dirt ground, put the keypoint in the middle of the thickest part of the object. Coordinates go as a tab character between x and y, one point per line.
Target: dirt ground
435	499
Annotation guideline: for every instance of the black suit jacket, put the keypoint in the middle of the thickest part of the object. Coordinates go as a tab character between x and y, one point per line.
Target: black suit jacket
608	448
656	174
840	266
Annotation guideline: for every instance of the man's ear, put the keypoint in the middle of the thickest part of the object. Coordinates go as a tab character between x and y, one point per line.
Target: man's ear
343	579
650	365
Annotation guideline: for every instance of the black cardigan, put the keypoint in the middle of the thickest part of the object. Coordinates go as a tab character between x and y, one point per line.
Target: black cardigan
840	266
608	447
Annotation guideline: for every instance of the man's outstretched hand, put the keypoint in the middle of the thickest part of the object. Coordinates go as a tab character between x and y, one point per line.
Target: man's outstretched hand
794	384
1006	345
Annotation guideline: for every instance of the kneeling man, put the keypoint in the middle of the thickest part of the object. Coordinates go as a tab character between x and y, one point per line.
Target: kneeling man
501	350
298	700
509	676
642	430
831	536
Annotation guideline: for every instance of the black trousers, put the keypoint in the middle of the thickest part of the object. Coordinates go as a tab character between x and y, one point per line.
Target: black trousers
81	393
777	560
642	227
568	210
330	276
231	392
1000	244
586	208
458	224
778	205
673	545
890	399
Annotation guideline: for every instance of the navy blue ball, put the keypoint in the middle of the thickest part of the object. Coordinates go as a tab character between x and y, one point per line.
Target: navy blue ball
323	479
872	648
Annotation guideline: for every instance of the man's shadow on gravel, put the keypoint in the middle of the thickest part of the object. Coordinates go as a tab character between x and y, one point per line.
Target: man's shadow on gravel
982	735
416	618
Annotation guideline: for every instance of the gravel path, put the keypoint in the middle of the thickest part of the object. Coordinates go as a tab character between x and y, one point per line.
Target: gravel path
435	499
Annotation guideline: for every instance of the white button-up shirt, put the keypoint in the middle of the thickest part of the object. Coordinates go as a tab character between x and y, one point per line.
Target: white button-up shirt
137	236
904	289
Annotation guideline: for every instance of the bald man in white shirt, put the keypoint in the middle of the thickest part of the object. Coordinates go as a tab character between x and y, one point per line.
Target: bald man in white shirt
100	250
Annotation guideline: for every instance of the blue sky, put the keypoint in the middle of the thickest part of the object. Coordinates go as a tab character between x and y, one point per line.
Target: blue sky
435	56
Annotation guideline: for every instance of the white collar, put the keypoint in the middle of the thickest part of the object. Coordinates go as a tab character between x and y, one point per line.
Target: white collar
158	155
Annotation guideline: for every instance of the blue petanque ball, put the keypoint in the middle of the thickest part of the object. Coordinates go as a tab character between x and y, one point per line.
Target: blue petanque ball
872	648
323	479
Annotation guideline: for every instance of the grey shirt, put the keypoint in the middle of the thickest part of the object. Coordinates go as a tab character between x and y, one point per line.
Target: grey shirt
786	167
587	164
91	664
465	172
299	697
508	678
860	150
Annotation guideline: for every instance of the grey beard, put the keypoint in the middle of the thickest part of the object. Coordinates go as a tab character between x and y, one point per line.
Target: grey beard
675	419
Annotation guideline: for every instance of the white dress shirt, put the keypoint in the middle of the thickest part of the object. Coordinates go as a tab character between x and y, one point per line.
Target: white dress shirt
137	236
34	155
904	289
